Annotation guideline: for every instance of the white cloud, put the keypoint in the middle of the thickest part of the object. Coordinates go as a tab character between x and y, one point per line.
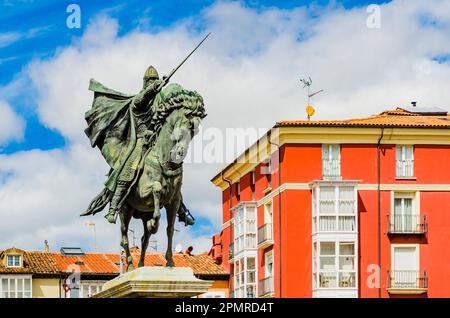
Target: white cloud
11	124
248	72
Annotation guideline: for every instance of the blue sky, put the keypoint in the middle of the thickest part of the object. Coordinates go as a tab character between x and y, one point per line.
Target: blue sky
40	29
45	68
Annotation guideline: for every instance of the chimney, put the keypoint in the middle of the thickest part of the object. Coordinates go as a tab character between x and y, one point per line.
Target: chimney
46	247
413	104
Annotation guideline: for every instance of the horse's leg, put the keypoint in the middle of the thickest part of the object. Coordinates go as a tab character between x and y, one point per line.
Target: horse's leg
171	211
154	222
125	218
144	242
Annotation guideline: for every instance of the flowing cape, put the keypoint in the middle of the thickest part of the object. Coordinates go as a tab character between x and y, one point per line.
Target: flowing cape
111	127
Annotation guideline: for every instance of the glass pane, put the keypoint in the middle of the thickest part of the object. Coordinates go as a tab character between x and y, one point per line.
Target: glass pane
16	261
327	223
27	284
327	280
346	279
408	152
251	263
12	285
20	284
347	223
347	263
327	263
398	151
335	152
327	193
325	152
347	249
251	277
327	248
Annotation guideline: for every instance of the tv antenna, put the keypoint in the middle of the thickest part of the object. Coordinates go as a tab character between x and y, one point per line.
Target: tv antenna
309	108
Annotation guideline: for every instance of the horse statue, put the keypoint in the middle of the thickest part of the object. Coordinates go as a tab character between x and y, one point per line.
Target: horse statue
144	138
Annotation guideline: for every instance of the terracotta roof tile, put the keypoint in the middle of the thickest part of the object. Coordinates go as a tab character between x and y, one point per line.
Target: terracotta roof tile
33	263
391	118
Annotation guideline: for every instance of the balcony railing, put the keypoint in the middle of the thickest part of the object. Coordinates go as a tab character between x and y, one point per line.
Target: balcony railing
407	224
265	235
407	280
405	168
266	287
231	252
331	168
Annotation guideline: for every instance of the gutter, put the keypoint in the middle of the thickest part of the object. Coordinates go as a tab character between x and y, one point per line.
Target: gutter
279	206
379	207
230	201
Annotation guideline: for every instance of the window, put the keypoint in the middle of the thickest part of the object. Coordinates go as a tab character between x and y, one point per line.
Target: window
245	242
331	161
87	289
15	287
404	161
334	264
215	294
268	260
405	266
245	228
404	219
245	278
335	208
13	260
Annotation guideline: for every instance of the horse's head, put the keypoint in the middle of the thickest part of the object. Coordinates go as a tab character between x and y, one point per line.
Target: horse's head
188	111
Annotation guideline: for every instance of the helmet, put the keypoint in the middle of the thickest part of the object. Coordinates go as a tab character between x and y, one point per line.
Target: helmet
151	73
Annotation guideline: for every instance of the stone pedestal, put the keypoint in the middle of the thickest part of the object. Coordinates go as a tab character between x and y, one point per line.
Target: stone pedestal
153	282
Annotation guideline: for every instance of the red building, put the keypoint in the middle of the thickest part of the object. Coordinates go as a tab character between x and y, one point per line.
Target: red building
342	208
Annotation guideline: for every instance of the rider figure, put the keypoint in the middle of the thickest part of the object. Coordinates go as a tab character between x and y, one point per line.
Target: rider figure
142	113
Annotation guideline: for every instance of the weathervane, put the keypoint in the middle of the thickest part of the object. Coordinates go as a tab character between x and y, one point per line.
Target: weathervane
309	108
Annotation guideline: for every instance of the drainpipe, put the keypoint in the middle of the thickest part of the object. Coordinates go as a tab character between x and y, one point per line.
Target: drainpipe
279	204
379	206
230	201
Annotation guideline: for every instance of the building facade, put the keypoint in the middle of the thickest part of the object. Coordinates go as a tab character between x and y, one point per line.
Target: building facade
344	208
72	273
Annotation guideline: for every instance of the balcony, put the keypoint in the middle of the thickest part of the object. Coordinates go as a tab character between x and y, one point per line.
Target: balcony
331	168
407	224
231	252
407	282
265	235
266	287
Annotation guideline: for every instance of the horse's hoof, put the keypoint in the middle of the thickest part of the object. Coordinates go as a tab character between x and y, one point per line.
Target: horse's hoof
170	264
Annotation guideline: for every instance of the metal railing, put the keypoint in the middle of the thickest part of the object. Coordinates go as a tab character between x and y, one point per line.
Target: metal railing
331	168
266	286
265	233
404	224
405	168
407	280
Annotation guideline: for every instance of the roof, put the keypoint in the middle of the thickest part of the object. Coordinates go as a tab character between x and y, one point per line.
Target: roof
33	263
108	263
400	117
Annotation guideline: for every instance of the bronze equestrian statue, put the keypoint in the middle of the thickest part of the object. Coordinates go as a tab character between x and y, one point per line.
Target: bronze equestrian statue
144	139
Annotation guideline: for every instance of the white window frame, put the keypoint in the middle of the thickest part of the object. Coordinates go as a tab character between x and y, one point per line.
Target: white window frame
213	294
415	201
240	287
16	278
402	161
267	256
14	256
316	264
417	252
317	214
329	161
97	285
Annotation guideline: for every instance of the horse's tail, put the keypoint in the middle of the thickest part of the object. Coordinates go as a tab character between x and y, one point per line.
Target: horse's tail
98	203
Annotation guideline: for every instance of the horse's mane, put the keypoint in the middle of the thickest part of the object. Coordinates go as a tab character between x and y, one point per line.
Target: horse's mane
174	96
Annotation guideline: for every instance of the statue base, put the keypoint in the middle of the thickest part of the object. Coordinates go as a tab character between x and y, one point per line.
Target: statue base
155	282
